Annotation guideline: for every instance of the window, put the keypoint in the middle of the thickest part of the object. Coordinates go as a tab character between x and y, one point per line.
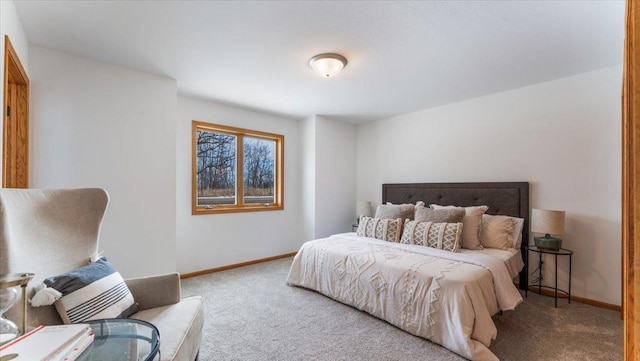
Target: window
235	170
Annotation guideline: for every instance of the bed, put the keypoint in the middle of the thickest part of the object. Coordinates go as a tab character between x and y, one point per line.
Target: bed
446	297
508	198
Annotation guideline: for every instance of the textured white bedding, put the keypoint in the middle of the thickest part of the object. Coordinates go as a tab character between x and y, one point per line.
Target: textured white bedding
445	297
512	258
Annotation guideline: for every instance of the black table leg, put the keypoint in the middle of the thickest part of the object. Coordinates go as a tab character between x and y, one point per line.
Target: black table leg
570	257
540	273
556	285
526	289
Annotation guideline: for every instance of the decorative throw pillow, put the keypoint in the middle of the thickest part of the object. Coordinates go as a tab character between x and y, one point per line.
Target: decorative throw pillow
517	232
393	211
92	292
445	236
471	221
439	215
384	229
497	231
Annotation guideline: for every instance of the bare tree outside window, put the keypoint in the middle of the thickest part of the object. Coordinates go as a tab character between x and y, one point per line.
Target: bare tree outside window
216	168
259	170
236	170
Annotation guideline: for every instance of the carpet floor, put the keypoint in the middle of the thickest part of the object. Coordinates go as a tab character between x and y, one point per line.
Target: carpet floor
251	314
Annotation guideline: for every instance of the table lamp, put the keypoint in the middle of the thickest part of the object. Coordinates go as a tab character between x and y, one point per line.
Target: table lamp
547	222
363	209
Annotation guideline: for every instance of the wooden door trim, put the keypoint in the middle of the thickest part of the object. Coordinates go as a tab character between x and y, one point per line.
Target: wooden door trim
14	74
19	76
631	183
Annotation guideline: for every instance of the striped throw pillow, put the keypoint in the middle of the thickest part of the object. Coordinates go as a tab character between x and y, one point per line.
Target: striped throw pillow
92	292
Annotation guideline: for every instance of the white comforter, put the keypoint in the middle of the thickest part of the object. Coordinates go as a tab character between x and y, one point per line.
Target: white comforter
445	297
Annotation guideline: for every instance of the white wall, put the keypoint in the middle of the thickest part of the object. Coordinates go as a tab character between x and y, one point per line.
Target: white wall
561	136
10	25
335	174
99	125
215	240
327	178
307	137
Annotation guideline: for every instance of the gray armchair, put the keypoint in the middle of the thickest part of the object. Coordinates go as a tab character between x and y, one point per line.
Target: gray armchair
50	232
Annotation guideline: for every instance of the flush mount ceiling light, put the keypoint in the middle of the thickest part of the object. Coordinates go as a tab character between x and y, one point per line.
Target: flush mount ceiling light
328	64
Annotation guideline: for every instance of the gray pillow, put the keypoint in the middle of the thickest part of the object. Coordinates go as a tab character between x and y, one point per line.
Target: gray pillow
424	214
394	211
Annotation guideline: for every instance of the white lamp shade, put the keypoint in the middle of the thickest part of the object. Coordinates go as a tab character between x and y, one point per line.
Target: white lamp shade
363	208
547	222
327	65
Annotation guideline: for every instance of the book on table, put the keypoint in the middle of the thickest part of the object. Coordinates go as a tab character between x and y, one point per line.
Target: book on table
49	343
74	350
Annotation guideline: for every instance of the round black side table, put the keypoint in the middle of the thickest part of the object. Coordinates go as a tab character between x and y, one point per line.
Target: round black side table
537	288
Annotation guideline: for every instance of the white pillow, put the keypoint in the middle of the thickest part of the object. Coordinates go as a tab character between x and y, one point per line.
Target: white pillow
470	224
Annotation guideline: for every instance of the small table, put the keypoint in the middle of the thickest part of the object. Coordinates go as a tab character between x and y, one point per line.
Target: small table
122	339
539	286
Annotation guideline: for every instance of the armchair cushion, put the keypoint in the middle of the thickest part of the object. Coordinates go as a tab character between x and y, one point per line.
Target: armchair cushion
180	325
179	320
155	291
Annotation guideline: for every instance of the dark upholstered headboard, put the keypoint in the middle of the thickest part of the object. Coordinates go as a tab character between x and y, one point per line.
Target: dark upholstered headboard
505	198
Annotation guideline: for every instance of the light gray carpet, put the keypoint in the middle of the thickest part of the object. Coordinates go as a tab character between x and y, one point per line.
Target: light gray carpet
251	314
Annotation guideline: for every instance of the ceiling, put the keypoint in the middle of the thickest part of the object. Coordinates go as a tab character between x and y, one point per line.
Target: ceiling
403	56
